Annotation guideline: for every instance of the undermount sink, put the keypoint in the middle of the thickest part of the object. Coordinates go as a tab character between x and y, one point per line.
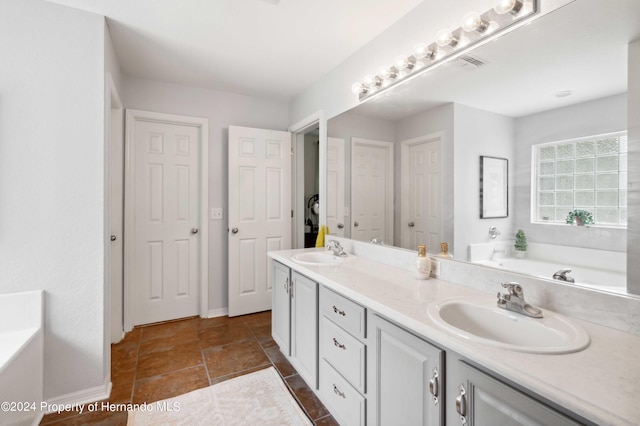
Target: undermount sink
321	258
482	321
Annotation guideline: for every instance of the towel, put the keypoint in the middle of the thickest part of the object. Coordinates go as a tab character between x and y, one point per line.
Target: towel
324	230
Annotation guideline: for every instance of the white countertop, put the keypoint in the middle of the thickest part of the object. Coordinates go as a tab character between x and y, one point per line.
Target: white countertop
600	383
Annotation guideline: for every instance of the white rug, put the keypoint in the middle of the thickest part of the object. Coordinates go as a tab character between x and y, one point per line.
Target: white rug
259	398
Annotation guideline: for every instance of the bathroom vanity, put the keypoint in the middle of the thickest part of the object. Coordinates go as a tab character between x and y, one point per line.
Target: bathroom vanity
360	335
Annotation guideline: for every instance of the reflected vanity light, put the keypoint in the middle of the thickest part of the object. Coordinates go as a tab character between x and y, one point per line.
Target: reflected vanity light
472	21
476	29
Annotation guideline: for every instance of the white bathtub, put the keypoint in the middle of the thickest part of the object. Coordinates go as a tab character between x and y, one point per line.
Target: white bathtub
21	357
604	270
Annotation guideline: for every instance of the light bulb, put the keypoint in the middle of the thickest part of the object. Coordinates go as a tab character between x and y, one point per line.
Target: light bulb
507	6
472	21
372	81
405	62
388	72
422	51
358	88
445	37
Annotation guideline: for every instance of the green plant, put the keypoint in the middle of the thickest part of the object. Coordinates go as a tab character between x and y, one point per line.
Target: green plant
521	241
580	217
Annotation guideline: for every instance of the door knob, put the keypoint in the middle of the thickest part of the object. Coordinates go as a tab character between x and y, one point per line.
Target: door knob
234	230
340	226
113	238
194	230
356	224
411	224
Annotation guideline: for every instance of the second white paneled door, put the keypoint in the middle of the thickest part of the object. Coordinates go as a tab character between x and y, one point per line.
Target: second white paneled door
421	196
259	212
371	190
164	217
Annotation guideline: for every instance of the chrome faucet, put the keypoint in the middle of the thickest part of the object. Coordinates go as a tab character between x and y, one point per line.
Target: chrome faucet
561	275
496	251
377	240
514	301
336	248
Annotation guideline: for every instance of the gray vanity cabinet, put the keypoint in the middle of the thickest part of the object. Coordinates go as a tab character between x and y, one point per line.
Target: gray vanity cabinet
405	377
294	322
476	398
281	306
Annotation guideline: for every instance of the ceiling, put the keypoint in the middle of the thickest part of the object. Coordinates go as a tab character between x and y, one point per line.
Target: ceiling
266	48
581	47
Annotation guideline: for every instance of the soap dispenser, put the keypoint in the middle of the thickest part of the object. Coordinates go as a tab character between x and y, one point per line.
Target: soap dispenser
444	251
423	263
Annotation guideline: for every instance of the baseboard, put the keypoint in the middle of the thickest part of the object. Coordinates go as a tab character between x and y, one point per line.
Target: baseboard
220	312
84	396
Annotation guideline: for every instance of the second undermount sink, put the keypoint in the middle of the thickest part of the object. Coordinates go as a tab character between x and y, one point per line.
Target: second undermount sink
321	258
481	321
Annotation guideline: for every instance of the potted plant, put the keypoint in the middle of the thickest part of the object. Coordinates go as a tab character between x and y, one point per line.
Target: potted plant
521	244
580	218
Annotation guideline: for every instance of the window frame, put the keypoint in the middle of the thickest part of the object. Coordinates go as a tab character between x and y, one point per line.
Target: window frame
535	183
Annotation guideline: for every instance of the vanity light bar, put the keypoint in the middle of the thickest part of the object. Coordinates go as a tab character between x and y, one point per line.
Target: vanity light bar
476	29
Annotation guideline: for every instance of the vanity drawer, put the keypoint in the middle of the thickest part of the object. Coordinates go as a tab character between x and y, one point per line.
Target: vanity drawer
344	352
347	314
347	406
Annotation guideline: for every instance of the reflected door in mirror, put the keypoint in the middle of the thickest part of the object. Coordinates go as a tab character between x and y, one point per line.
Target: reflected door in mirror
371	190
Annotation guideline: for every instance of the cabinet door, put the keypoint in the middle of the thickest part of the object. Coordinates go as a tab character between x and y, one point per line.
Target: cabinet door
304	328
281	307
400	368
484	400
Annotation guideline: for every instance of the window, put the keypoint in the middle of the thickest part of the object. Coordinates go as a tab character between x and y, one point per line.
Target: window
587	173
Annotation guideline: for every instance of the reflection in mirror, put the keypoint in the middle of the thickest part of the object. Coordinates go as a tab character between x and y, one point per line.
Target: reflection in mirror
560	78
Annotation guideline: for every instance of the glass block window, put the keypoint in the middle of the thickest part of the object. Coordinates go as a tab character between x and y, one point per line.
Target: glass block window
587	173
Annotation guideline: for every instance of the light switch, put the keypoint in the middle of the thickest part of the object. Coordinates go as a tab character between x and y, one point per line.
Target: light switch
216	213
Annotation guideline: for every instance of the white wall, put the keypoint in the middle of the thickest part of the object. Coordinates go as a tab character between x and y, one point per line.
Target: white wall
435	120
586	119
478	133
633	200
352	125
222	109
51	180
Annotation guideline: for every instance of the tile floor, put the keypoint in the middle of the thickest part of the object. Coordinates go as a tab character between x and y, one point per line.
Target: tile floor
164	360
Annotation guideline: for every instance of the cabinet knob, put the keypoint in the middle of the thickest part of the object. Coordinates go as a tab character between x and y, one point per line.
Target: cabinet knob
356	224
434	386
461	404
338	311
340	226
411	224
234	230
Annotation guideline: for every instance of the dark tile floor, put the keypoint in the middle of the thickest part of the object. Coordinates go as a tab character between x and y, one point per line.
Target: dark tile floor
164	360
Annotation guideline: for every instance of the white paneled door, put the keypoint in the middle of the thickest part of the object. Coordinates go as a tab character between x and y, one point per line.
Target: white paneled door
421	206
259	212
166	216
371	190
335	186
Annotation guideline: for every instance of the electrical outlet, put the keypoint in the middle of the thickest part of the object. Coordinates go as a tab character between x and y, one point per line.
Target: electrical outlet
216	213
435	268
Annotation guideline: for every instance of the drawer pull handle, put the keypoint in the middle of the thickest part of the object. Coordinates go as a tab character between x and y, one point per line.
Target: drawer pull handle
338	311
338	344
434	386
337	392
461	405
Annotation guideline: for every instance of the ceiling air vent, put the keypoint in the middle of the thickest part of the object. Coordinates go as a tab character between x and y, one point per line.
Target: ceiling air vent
469	63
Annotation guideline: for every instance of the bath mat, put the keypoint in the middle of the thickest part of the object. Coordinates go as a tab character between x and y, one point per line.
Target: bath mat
257	398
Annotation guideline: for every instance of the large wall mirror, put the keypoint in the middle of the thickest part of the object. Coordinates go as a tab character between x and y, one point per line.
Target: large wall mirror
402	167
